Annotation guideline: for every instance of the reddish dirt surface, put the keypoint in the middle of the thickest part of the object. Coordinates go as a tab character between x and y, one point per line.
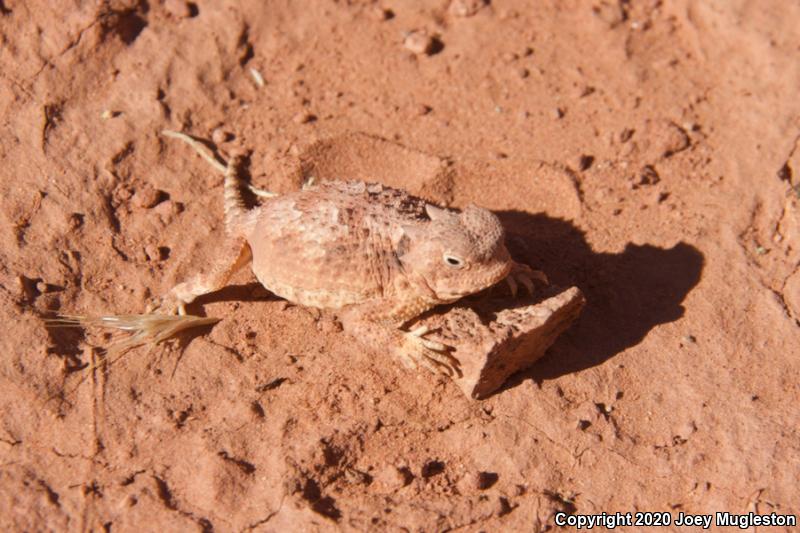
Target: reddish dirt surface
646	152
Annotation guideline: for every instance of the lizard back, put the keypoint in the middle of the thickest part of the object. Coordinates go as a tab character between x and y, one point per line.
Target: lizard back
333	244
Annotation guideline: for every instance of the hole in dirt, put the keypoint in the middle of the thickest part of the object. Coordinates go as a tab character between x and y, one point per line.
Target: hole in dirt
324	505
245	466
487	480
127	24
130	26
436	46
432	468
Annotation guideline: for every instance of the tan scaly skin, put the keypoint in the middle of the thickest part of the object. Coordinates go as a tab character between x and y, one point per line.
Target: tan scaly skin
377	255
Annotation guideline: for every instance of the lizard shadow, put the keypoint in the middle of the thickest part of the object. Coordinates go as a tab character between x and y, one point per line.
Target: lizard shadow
246	292
627	293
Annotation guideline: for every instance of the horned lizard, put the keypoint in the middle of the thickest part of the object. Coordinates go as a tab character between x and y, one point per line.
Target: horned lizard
377	255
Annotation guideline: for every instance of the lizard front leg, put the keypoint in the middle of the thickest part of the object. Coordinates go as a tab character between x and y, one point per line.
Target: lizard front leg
369	323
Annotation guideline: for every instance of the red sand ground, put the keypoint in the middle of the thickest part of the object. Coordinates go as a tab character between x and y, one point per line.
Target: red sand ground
645	151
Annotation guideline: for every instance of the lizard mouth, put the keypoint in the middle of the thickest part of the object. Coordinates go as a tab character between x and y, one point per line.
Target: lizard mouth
485	281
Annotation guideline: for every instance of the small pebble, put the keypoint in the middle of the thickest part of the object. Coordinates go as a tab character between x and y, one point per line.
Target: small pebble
466	8
304	117
509	57
648	176
156	253
390	478
381	13
220	136
148	196
625	135
675	140
660	197
257	77
610	12
558	113
523	72
75	221
178	8
419	42
167	211
422	109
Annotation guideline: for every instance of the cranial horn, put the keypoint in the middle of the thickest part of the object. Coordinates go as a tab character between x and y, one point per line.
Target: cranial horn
438	213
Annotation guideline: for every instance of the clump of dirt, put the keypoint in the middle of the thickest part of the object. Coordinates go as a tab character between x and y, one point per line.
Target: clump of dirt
646	152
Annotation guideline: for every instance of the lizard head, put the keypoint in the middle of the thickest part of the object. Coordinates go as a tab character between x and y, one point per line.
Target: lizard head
456	254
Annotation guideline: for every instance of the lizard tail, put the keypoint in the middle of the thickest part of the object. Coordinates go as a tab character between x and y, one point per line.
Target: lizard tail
236	212
237	215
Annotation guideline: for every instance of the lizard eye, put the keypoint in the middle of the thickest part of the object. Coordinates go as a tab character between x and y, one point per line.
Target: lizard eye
453	261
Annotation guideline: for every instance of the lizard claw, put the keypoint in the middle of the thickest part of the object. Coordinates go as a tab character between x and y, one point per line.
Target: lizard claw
512	285
521	273
416	350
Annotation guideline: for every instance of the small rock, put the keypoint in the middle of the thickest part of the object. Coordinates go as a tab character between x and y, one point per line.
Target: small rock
304	117
329	325
659	197
648	176
466	8
523	72
509	57
167	211
558	113
585	162
148	196
220	136
178	8
422	109
626	135
610	12
420	42
75	221
675	140
390	478
381	13
156	253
